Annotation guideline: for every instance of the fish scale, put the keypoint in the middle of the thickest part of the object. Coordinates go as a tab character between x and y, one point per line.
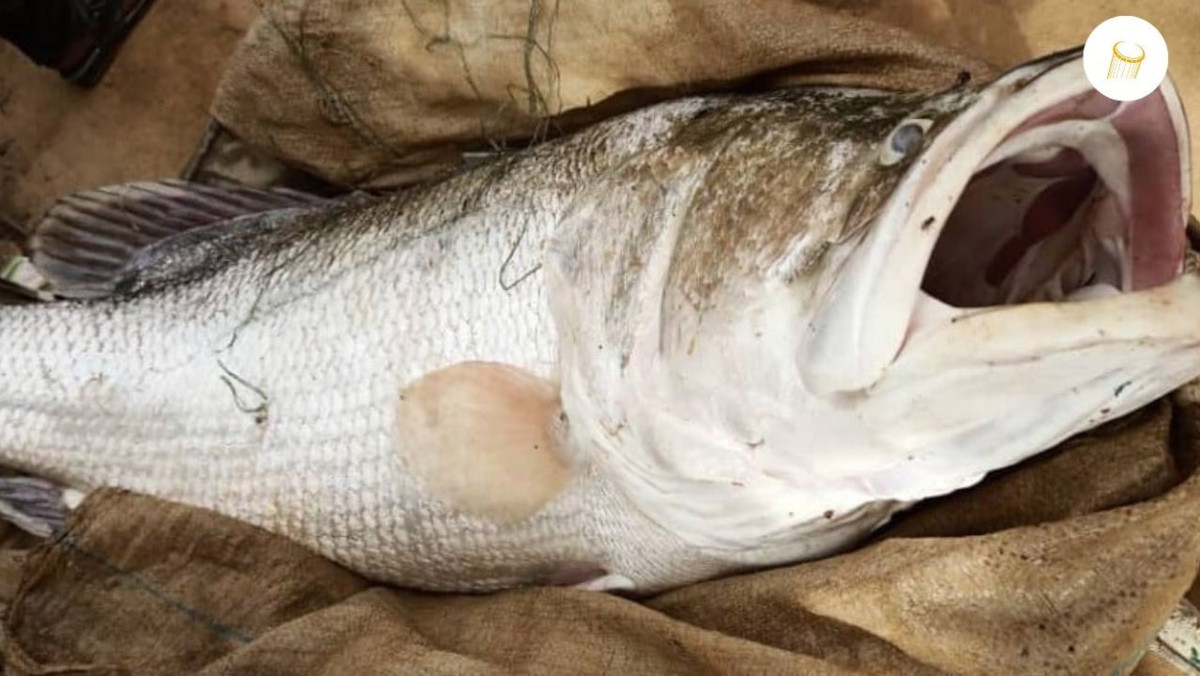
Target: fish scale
328	342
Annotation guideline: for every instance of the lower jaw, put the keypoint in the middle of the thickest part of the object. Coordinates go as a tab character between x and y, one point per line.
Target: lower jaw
984	388
1166	315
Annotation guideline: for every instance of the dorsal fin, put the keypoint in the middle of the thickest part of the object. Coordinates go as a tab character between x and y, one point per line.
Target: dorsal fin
86	239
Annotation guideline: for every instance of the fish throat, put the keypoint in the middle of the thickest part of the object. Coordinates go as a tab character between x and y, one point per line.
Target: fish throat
1079	202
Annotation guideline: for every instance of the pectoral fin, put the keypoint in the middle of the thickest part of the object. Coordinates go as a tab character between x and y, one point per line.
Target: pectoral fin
484	438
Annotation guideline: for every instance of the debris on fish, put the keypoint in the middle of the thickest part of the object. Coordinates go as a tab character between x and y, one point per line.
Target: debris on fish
713	335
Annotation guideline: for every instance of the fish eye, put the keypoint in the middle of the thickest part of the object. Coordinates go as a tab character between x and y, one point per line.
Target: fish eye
903	140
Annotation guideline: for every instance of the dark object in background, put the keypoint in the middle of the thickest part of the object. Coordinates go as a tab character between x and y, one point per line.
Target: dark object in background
78	38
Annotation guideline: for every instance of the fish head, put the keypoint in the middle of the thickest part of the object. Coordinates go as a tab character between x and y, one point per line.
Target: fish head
1023	283
816	307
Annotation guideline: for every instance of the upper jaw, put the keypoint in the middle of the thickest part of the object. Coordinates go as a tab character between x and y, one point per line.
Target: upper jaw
884	294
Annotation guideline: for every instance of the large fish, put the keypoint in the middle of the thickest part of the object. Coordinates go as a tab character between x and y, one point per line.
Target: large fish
716	334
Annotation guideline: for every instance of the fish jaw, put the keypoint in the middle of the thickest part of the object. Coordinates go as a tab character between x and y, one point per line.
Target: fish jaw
862	322
992	387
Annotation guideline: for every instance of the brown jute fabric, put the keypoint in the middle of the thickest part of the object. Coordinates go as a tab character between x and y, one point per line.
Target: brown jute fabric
142	586
1069	562
380	94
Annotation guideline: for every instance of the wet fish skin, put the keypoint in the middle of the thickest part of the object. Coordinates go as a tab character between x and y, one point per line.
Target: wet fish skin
271	368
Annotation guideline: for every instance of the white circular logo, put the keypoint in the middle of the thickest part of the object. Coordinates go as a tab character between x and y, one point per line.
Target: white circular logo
1125	58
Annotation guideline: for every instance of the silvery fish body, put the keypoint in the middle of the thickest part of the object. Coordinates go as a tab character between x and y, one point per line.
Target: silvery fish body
709	336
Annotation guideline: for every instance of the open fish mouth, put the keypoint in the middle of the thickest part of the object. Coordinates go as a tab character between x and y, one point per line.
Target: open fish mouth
1080	201
1042	191
1023	283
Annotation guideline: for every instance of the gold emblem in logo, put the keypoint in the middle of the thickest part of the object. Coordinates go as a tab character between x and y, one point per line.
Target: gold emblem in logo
1126	60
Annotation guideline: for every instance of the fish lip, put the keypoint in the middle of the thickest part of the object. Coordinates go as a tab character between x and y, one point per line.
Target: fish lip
1027	73
862	323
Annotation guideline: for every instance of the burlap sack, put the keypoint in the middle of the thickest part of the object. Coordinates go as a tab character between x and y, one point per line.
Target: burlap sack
1069	562
142	586
364	93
